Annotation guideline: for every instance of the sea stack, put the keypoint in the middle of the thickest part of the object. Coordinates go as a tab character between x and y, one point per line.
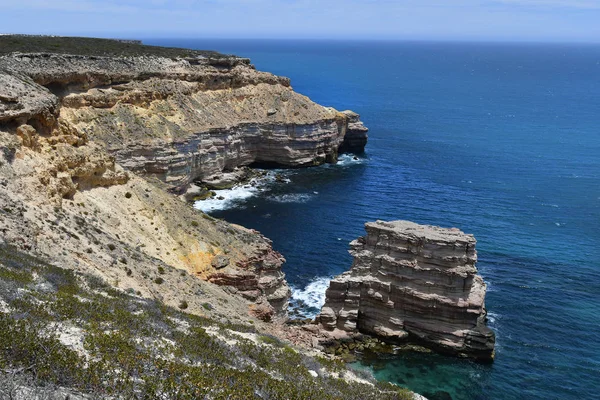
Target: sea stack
413	282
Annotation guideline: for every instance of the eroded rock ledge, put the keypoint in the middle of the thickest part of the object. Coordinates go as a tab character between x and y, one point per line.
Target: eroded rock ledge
411	281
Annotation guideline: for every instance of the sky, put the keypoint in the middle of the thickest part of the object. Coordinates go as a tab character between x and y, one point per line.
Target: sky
479	20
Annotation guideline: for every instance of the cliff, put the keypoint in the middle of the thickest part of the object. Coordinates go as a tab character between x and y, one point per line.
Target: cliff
93	142
414	282
179	120
95	135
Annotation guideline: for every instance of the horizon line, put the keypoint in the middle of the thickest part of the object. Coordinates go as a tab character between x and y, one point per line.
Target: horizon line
146	36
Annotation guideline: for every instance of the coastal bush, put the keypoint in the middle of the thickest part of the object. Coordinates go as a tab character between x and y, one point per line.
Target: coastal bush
82	334
271	340
92	47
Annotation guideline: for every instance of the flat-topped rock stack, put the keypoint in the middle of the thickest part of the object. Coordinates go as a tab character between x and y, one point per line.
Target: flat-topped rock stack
413	282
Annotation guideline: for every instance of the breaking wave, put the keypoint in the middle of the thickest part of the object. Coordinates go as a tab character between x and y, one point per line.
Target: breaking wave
308	301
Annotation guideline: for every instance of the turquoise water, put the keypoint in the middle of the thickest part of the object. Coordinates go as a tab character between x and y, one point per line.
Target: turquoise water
500	140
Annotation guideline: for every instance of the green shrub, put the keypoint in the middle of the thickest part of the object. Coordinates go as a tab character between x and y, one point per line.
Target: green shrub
136	350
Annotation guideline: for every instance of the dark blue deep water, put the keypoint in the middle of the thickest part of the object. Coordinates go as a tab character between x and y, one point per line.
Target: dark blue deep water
500	140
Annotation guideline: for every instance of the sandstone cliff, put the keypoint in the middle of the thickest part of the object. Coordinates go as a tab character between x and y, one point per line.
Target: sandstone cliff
179	120
411	281
91	145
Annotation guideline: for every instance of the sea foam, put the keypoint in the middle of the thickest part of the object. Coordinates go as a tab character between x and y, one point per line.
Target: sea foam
292	198
349	159
312	296
227	198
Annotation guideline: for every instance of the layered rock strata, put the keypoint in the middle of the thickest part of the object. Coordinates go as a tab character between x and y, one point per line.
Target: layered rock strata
178	120
356	136
90	145
411	281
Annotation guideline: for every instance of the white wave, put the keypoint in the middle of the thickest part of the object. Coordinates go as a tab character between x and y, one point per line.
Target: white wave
313	295
291	198
550	205
227	198
277	176
349	159
236	196
490	287
493	317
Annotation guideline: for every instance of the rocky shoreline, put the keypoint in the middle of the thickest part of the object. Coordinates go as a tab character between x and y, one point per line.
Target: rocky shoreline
80	123
179	120
102	154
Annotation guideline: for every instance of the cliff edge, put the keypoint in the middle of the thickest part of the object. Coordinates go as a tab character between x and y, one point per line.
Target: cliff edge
177	119
413	282
95	134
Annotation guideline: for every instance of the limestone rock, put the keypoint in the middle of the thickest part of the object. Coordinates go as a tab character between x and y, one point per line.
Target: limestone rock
220	262
24	101
178	120
106	139
413	281
356	136
28	136
258	277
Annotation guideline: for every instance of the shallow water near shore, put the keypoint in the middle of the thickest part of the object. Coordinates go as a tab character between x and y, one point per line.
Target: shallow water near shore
499	140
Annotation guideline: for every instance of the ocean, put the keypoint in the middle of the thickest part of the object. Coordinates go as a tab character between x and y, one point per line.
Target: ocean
499	140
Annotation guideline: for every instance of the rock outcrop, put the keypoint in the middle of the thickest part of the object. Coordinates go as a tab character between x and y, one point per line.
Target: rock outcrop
411	281
356	136
92	144
179	120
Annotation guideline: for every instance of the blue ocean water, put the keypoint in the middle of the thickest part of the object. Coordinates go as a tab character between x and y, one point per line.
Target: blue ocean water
499	140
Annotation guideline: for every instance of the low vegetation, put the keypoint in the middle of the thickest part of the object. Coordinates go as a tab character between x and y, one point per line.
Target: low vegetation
92	47
73	335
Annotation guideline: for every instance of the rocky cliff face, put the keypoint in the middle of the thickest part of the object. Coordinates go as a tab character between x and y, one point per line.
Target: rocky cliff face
182	120
92	144
411	281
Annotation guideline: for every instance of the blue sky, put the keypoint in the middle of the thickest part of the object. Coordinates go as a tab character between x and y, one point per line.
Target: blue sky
523	20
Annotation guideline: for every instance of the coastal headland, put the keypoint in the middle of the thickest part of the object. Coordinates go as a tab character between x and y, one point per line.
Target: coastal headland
104	142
